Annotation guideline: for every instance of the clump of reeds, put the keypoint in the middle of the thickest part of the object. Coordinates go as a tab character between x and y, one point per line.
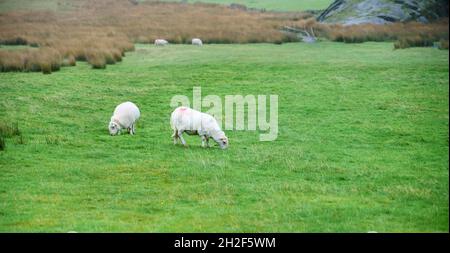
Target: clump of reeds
443	44
7	131
413	41
410	34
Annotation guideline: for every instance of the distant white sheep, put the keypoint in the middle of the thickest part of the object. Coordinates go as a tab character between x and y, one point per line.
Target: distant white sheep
197	42
192	122
124	117
161	42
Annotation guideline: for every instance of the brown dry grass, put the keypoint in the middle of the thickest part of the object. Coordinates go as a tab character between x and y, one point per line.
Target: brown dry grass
101	31
443	44
406	34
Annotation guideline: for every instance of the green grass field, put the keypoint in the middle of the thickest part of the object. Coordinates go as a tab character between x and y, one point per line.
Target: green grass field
362	145
9	5
277	5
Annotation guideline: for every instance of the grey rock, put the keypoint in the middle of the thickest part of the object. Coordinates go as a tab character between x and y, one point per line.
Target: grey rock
350	12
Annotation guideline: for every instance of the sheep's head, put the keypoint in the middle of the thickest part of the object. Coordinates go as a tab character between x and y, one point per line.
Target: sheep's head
223	142
221	139
113	128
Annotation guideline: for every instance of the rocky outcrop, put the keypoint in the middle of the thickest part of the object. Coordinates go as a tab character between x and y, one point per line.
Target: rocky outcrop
350	12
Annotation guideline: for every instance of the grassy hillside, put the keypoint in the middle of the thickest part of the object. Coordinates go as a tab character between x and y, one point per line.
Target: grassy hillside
12	5
363	143
278	5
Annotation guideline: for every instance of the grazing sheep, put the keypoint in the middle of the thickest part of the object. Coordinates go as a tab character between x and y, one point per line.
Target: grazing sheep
192	122
161	42
197	42
125	116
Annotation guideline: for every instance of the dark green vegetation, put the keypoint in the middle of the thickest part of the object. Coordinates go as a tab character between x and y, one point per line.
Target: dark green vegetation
362	146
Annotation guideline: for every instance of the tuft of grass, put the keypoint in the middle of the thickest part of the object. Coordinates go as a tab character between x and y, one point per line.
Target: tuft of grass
416	41
55	140
46	68
96	59
20	140
443	44
69	61
9	129
2	143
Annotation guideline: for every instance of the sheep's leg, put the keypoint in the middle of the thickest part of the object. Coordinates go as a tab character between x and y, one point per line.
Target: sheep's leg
130	130
207	141
133	130
180	135
203	141
175	137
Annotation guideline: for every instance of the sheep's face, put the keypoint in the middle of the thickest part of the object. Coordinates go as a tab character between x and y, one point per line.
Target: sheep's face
113	128
222	140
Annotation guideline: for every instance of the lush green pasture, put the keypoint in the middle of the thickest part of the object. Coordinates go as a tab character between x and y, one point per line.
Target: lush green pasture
278	5
11	5
362	145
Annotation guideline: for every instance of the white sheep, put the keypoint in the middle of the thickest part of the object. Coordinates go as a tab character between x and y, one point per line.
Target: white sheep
124	117
192	122
197	42
161	42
